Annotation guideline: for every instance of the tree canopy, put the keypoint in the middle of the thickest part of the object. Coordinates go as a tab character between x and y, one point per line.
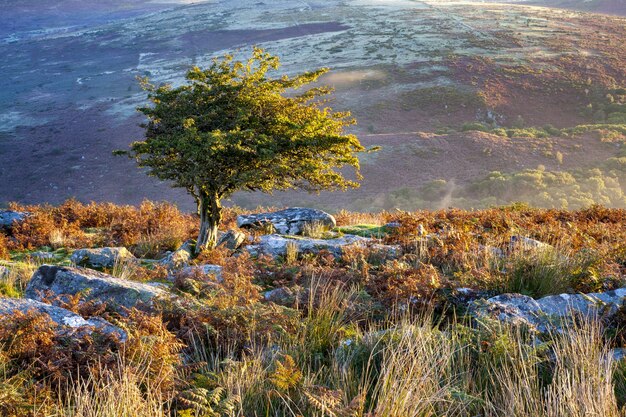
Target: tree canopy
231	127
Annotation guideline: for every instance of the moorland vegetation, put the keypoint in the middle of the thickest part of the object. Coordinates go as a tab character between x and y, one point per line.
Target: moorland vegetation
355	335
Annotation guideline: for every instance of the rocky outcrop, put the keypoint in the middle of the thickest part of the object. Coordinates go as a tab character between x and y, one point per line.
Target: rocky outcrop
67	321
548	312
100	257
94	285
290	221
276	245
9	217
232	239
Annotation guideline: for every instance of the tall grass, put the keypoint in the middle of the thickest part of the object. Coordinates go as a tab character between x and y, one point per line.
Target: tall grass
412	367
113	396
416	366
14	281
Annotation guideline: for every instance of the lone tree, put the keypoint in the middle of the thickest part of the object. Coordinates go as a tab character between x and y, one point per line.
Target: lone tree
232	128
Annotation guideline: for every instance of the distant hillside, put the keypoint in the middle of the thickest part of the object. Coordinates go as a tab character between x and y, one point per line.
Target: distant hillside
613	7
472	103
617	7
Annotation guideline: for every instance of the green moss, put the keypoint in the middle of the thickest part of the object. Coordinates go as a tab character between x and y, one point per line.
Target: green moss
365	230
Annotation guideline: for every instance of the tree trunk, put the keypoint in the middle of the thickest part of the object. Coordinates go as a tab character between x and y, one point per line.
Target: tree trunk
210	211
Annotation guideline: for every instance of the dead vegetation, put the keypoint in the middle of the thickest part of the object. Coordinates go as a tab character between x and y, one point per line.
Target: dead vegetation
351	331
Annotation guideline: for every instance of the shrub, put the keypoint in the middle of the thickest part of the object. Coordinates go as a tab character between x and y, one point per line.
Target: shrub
481	127
147	230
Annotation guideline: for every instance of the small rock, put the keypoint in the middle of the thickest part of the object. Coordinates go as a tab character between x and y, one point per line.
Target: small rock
206	269
290	221
100	257
281	295
67	321
92	284
179	258
384	252
288	296
8	217
3	271
232	239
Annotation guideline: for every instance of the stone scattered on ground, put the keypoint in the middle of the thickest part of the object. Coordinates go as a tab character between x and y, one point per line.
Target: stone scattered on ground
68	322
291	221
8	217
179	258
3	271
94	285
101	257
232	239
206	269
549	312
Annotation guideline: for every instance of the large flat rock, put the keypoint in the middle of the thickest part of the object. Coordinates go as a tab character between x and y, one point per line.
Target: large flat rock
94	285
66	321
276	245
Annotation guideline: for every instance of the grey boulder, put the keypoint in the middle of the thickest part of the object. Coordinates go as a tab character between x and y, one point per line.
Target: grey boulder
286	296
548	313
94	285
290	221
101	257
231	239
9	217
66	321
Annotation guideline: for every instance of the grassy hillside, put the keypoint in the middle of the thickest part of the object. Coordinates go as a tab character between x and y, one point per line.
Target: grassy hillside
415	75
316	335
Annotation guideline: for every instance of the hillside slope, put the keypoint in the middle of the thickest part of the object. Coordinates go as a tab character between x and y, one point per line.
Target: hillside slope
417	76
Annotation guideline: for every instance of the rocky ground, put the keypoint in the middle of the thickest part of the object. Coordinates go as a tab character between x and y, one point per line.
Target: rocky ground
299	292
